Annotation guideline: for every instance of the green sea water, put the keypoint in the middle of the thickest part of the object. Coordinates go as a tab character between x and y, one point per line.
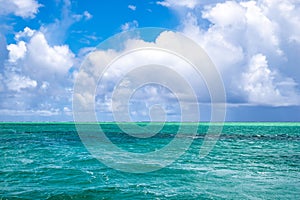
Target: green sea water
249	161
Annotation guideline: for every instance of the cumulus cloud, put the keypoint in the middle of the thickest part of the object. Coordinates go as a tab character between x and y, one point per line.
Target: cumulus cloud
38	56
27	32
45	58
16	51
263	87
36	73
122	79
23	8
250	42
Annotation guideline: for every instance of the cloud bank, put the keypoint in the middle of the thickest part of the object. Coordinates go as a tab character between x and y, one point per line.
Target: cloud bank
252	43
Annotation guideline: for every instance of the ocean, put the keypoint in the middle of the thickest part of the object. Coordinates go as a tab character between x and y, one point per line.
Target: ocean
248	161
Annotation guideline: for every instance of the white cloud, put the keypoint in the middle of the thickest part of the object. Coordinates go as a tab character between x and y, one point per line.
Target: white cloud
245	34
87	15
36	75
16	51
67	111
39	57
17	82
229	13
122	69
223	52
45	58
45	85
262	87
266	37
174	3
37	60
286	14
22	8
132	7
249	41
129	25
27	32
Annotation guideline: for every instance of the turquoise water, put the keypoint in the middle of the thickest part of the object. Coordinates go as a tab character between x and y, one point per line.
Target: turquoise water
249	161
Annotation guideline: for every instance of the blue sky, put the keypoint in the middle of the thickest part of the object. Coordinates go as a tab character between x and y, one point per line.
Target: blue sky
255	46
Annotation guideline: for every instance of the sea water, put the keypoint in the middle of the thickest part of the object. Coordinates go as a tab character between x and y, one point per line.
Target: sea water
249	161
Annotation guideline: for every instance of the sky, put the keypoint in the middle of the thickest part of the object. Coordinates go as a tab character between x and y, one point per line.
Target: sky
255	46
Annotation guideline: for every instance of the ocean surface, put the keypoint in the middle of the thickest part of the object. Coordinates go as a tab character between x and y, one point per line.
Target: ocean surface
249	161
